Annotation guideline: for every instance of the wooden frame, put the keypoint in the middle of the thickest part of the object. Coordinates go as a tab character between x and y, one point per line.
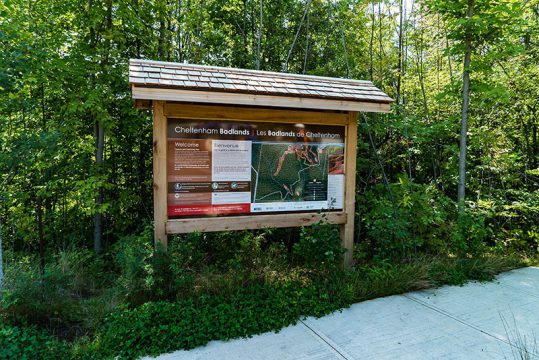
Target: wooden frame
255	114
178	226
160	174
212	97
347	229
163	226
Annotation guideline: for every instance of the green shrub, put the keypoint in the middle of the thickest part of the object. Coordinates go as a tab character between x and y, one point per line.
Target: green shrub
470	235
132	258
194	264
234	249
319	247
158	327
29	343
29	296
513	219
88	271
239	309
66	297
93	310
408	220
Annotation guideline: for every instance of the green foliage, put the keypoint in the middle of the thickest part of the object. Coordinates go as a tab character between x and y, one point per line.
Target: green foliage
234	250
514	221
132	259
413	218
455	271
388	278
65	297
154	328
193	263
29	295
319	247
470	235
29	343
64	76
162	326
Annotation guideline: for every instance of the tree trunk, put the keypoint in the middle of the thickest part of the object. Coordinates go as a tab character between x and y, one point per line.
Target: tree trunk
465	106
448	52
371	42
39	212
161	39
420	69
99	136
380	35
1	258
259	37
535	145
98	218
399	65
306	43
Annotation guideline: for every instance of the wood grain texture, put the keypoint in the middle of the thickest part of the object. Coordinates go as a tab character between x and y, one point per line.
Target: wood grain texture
243	113
160	173
143	104
188	225
215	97
347	229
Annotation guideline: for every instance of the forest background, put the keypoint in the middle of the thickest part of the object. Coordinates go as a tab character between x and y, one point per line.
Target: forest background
75	155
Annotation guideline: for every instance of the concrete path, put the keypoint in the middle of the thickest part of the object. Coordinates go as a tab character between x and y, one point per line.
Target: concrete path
495	320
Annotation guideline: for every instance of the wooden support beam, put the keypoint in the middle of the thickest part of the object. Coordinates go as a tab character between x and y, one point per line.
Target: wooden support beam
250	114
347	229
160	173
188	225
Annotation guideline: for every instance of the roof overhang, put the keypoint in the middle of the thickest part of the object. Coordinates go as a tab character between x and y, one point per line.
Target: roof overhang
152	80
214	97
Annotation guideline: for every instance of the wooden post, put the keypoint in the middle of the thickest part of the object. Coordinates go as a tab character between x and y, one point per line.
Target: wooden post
347	229
160	174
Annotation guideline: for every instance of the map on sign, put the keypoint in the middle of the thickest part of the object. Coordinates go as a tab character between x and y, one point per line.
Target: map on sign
222	168
290	172
294	172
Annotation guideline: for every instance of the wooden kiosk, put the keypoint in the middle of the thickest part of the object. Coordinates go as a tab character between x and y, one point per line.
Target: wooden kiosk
241	149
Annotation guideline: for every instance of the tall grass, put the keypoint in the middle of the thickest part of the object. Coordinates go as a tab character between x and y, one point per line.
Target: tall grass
523	347
386	278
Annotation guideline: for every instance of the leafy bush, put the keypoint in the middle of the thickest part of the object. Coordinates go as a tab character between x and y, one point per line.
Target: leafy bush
513	220
195	264
406	220
224	286
29	343
456	271
319	247
34	297
85	269
158	327
132	258
64	297
470	235
241	310
147	274
234	249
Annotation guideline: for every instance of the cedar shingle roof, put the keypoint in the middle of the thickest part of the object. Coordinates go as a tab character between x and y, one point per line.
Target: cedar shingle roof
146	73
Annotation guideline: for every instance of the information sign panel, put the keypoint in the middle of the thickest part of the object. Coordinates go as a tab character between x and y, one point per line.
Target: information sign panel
227	167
